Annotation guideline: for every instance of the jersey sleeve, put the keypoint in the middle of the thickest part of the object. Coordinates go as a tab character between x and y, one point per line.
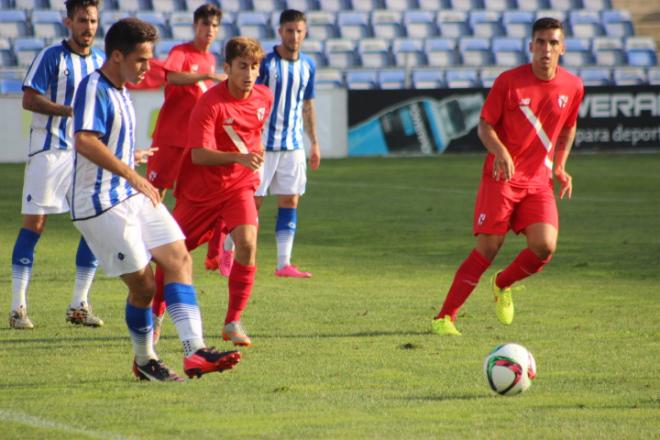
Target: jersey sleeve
309	90
575	108
90	108
202	125
42	70
175	60
495	102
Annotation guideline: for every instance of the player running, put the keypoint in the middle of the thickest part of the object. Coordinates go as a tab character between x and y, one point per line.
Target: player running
290	75
530	112
119	212
48	91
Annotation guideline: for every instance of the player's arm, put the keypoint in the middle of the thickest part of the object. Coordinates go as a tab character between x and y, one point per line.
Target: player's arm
34	101
503	164
562	151
188	78
88	144
208	157
309	122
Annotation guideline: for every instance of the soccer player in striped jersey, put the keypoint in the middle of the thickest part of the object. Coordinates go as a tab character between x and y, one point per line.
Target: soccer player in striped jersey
289	73
529	118
120	213
48	91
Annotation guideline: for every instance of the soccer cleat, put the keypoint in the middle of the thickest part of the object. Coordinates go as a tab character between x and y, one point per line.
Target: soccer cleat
226	262
292	271
156	371
208	360
211	263
157	326
19	319
444	327
235	333
503	302
83	315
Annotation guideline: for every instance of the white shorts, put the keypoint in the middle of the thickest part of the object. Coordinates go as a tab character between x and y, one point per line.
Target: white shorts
283	173
122	236
47	182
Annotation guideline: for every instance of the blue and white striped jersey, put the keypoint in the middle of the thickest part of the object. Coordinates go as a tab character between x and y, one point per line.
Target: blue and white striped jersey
108	111
56	73
292	82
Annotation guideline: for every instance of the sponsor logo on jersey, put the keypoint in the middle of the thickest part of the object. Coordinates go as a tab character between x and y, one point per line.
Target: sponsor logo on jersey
562	100
152	175
261	111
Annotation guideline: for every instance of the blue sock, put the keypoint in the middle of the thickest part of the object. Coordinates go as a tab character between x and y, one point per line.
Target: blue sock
21	266
285	232
182	306
86	264
140	327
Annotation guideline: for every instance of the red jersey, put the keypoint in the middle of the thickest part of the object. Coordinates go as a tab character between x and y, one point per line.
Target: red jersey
528	114
221	122
180	100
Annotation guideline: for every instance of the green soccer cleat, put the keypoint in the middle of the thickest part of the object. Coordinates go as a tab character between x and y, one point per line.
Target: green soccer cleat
503	302
444	327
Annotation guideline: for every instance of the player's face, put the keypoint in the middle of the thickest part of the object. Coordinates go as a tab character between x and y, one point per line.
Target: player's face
135	65
292	34
83	28
547	46
242	73
206	29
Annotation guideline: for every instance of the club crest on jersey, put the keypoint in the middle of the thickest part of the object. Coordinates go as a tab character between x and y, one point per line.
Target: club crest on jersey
525	101
562	100
261	111
228	121
481	219
194	68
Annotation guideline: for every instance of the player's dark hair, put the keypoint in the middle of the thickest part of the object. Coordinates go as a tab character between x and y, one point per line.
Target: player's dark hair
207	12
292	15
72	5
127	33
243	47
547	23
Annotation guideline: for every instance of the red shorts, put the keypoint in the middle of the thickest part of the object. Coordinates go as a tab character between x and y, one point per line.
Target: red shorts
198	221
163	166
500	207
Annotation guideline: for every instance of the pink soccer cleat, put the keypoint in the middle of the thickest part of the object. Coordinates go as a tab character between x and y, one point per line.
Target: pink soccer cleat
292	271
208	360
226	262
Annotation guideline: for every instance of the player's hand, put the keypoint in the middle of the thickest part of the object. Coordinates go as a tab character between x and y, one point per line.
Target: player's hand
142	156
252	161
217	77
315	157
142	185
565	181
503	167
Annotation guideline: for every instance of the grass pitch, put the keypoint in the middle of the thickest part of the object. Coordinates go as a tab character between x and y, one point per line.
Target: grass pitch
348	353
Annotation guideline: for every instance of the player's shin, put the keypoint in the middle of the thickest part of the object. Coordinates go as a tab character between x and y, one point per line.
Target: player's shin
525	264
466	279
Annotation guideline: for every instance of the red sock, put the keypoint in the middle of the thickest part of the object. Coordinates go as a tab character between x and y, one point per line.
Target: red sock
525	264
241	280
466	279
213	248
158	305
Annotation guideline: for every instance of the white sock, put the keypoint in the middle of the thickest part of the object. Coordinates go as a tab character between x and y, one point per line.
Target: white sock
284	239
20	279
184	311
84	279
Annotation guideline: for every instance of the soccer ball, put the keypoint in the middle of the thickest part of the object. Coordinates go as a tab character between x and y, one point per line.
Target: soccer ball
509	369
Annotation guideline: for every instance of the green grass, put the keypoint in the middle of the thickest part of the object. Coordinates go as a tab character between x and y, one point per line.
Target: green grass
348	353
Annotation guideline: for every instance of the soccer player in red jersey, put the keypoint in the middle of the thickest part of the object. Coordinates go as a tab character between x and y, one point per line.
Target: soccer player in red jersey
218	176
528	119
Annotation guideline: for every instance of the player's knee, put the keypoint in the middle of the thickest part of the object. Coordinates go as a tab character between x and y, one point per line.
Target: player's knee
544	250
143	292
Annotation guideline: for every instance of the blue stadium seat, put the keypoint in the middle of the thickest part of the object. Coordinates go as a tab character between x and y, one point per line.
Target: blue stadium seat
595	76
518	23
59	6
133	5
108	18
163	47
253	24
315	50
654	76
585	24
608	51
181	25
508	51
532	5
235	6
156	19
365	5
408	52
487	75
268	45
25	49
428	79
302	5
578	52
30	5
462	78
192	5
353	24
48	24
374	52
441	52
617	23
7	58
641	51
400	5
475	51
453	24
553	13
387	24
362	79
596	5
420	24
167	6
486	24
13	24
499	5
227	26
340	53
268	6
329	78
334	5
321	25
11	85
565	5
465	5
629	76
392	79
275	21
433	5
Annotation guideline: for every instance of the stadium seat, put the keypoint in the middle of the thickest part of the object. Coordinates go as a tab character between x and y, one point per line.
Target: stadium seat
608	51
428	79
275	22
340	53
596	5
419	24
462	78
353	24
654	76
329	78
302	5
585	24
268	6
486	24
565	5
531	5
253	24
499	5
167	6
365	5
374	52
321	25
7	58
578	52
488	75
617	23
361	79
181	25
48	24
595	76
518	23
235	6
465	5
629	76
314	49
475	51
13	24
553	13
268	45
11	85
108	18
25	49
227	27
58	6
400	5
392	79
31	5
408	52
386	24
433	5
508	51
156	19
133	5
163	47
192	5
334	5
641	51
441	52
453	24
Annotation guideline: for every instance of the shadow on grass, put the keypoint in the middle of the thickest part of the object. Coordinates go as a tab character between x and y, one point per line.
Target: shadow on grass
61	339
372	334
461	397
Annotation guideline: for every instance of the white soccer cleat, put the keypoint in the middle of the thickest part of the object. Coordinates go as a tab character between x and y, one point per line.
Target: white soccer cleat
19	319
235	333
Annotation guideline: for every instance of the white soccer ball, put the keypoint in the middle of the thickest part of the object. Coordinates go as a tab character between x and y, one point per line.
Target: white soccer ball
509	369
